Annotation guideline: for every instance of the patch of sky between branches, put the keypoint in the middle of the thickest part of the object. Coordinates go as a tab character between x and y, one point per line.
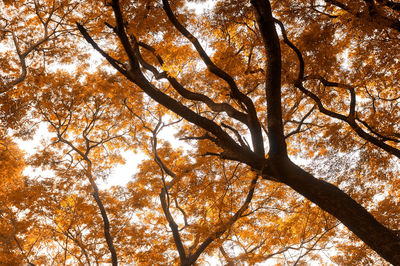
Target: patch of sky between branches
199	7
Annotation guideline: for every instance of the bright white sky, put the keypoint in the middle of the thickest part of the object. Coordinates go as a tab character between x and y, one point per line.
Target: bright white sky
201	7
120	174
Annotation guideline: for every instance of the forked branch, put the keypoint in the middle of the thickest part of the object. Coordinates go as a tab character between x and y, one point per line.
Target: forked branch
253	122
351	119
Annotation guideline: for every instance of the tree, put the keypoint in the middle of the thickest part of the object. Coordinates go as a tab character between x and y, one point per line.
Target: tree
288	111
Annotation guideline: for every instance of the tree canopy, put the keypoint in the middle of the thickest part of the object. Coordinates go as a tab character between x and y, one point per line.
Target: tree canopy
282	121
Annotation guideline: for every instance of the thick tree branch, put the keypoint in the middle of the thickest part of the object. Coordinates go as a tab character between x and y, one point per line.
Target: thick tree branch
254	125
216	107
330	198
380	136
351	118
119	29
135	75
372	13
334	201
265	21
206	59
115	63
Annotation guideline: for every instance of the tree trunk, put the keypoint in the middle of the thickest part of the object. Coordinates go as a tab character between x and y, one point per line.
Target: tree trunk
334	201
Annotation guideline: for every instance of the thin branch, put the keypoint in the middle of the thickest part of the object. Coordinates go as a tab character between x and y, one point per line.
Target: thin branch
216	107
106	222
351	118
22	55
301	123
16	239
115	63
238	135
224	227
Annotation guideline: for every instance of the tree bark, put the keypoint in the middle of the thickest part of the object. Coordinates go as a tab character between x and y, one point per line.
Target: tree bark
327	196
336	202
